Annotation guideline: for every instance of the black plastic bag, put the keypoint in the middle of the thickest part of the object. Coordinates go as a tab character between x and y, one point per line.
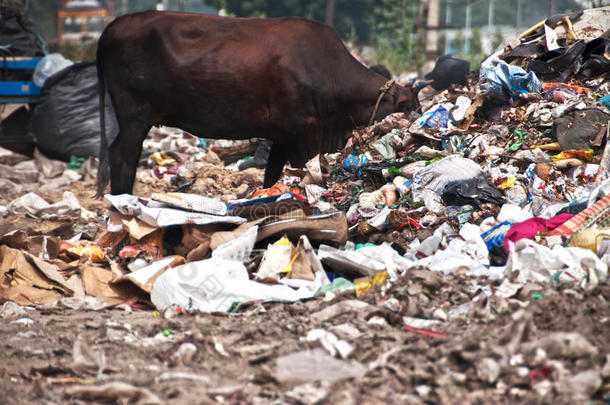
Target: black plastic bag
447	71
474	191
66	122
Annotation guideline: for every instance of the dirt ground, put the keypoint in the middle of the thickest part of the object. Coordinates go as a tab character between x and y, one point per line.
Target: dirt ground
198	358
547	344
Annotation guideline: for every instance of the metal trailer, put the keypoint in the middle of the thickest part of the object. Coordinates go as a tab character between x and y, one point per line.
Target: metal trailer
13	128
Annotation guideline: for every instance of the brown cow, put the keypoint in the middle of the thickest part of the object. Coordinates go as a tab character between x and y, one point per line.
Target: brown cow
290	80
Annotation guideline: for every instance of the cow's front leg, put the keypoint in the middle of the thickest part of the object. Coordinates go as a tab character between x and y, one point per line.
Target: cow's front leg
277	159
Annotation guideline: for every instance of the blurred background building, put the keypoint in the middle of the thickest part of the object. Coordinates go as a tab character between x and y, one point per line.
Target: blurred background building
402	34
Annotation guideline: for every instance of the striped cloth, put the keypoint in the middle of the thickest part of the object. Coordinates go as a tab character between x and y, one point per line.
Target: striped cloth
598	214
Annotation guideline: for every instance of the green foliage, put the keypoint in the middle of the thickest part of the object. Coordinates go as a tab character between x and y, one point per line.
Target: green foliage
350	15
476	46
475	52
442	42
471	51
498	39
458	43
505	11
81	52
397	47
44	14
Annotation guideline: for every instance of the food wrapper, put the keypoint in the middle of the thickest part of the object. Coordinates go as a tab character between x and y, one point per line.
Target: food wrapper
94	252
362	285
584	154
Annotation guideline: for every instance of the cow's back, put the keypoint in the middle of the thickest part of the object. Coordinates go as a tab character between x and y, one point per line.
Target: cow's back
239	75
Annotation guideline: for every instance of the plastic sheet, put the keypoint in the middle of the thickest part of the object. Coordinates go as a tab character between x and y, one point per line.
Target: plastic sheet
503	81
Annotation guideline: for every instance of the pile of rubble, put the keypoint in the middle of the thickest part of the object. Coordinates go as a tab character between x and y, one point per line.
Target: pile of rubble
503	181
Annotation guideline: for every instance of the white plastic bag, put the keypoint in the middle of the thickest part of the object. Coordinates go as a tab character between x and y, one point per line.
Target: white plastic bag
536	262
238	249
48	66
213	285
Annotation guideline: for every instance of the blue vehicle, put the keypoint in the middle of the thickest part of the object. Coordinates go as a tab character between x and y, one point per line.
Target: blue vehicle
19	91
21	48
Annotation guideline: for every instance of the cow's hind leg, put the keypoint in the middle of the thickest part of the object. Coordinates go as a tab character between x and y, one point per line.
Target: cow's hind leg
277	159
124	155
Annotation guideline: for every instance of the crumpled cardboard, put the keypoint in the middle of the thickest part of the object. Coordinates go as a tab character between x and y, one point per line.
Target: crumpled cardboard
29	280
140	283
96	281
318	170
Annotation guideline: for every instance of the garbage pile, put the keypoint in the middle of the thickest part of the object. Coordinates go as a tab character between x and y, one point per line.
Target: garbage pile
505	179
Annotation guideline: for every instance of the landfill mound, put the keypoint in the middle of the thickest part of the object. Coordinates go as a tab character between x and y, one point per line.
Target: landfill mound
459	252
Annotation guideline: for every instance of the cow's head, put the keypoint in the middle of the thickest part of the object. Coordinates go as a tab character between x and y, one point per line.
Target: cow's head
405	98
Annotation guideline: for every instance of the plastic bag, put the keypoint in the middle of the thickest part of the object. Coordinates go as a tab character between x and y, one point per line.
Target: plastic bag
278	259
214	285
354	163
238	249
48	66
66	121
452	168
438	118
384	145
316	365
533	262
504	81
447	71
473	191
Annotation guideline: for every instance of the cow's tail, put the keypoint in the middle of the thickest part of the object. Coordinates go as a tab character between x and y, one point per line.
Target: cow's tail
103	171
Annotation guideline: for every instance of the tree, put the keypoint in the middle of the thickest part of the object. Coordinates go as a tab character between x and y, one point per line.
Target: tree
44	14
349	15
475	51
458	43
442	43
498	39
476	45
396	43
505	11
331	6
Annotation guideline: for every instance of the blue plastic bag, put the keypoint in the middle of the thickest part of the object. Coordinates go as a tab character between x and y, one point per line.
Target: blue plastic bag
495	236
354	163
605	101
439	118
504	81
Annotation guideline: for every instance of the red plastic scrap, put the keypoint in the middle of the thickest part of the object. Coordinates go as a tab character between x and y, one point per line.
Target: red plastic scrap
131	251
539	374
426	332
382	300
337	195
277	189
159	172
409	222
136	304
